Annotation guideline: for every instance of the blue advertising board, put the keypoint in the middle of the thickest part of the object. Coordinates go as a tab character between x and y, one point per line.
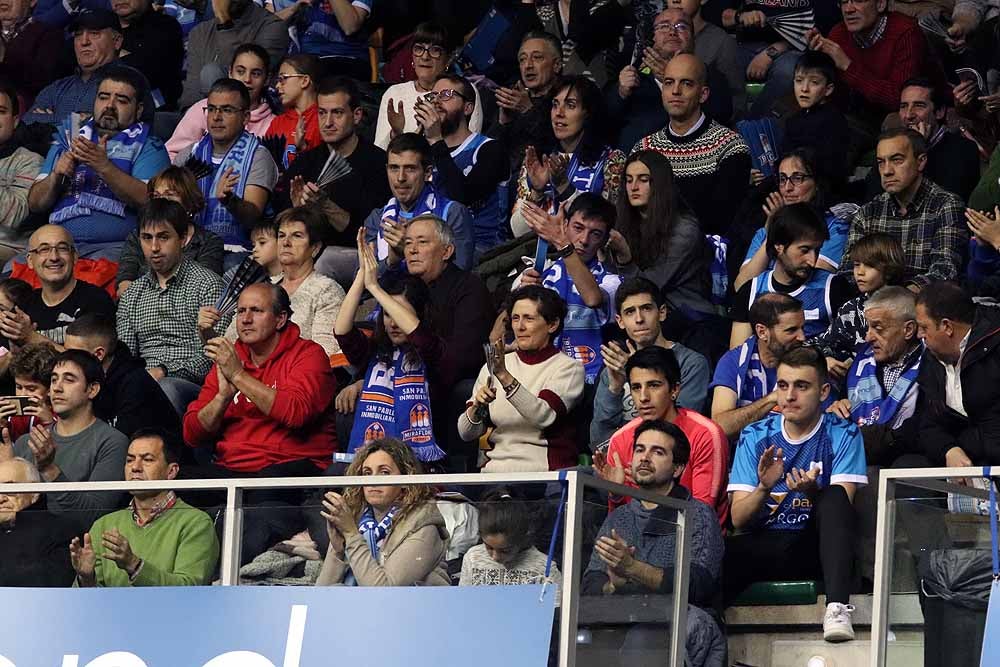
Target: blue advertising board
489	626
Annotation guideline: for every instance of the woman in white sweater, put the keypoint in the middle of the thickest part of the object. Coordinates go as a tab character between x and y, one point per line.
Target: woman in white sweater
430	59
530	393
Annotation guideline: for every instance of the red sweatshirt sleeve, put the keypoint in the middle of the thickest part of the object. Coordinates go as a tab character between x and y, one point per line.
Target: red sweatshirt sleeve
708	468
907	56
195	434
304	394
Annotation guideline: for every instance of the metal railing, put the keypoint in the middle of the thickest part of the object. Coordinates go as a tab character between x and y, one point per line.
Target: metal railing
576	482
931	479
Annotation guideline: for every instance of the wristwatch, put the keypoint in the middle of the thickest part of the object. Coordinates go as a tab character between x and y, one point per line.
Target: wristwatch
773	52
565	251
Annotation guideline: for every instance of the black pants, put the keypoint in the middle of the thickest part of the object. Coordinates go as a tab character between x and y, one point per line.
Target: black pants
269	515
824	548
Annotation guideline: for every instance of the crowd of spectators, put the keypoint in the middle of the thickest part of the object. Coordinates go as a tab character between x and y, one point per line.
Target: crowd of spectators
741	254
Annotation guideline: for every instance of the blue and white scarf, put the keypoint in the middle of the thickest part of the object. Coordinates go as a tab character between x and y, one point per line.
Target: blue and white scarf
395	402
751	378
588	177
87	192
581	336
429	201
216	218
375	531
869	402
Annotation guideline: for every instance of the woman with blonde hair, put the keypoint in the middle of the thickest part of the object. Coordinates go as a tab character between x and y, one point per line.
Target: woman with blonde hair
384	535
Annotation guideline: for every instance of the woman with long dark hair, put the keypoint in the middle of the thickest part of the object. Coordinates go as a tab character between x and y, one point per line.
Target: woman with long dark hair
800	181
575	157
395	397
659	238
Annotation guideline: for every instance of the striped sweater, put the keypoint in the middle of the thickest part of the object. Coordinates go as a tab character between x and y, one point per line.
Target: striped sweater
712	168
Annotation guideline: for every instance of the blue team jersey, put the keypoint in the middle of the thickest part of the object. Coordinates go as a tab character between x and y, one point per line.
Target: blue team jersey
835	446
581	334
814	295
741	370
832	251
487	213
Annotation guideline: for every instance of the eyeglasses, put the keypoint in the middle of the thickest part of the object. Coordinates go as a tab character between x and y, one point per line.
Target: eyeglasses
446	94
226	110
281	78
796	179
434	50
46	249
680	28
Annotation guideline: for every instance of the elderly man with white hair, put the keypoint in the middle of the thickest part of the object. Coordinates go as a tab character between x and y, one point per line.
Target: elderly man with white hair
32	541
882	384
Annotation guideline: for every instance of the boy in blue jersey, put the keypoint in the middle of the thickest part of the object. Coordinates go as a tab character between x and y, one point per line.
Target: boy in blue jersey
791	487
469	167
743	387
795	235
578	275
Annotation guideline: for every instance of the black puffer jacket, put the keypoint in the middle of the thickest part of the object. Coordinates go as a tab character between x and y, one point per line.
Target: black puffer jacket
941	427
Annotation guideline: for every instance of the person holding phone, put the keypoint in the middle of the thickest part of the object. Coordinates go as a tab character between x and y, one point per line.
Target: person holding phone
31	367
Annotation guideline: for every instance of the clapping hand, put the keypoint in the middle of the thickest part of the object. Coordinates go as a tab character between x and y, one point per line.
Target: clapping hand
303	193
42	446
83	559
118	550
985	228
223	353
227	184
610	471
394	113
771	467
550	227
803	481
615	553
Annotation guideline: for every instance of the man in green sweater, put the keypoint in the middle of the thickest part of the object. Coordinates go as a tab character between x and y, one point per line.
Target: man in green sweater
158	540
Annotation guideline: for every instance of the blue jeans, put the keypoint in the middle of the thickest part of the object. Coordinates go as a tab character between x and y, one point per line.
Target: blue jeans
780	76
180	392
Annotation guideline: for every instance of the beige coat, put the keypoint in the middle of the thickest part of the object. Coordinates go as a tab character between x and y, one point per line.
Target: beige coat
413	553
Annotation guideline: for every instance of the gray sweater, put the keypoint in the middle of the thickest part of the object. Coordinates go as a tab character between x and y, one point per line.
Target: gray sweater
612	411
95	454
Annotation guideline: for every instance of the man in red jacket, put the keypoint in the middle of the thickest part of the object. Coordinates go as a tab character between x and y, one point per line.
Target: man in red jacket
654	379
263	404
263	407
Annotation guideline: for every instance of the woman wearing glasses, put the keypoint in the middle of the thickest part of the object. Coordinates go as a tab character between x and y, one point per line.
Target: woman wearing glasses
575	157
799	182
298	123
431	56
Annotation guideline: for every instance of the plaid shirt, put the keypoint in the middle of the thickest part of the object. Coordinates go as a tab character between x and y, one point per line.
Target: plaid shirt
161	325
932	231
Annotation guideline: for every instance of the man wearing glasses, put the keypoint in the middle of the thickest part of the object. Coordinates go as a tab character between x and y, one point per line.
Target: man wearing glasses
636	97
875	51
94	177
61	299
243	172
468	166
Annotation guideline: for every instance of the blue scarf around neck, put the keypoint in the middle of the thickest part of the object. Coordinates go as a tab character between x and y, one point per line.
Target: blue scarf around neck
216	217
375	531
429	201
869	402
88	193
395	402
751	378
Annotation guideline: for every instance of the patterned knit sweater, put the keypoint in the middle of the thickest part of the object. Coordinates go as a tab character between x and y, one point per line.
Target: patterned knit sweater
712	168
478	569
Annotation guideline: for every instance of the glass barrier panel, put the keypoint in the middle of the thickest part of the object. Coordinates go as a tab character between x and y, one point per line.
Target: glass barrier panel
626	604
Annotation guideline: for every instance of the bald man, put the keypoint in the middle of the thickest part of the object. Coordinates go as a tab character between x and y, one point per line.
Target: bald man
636	98
60	299
711	163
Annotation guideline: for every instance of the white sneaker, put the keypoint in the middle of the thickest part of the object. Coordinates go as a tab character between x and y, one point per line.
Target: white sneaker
837	622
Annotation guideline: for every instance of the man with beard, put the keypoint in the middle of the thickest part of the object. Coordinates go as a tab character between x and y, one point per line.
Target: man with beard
793	479
928	220
93	185
243	172
636	96
158	540
469	167
158	314
743	385
214	41
61	298
349	200
635	552
794	237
